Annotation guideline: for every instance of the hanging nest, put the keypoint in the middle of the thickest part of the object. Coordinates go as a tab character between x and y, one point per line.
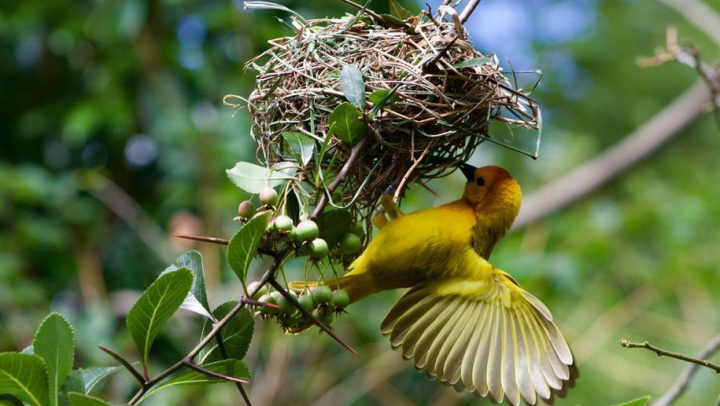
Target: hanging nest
427	98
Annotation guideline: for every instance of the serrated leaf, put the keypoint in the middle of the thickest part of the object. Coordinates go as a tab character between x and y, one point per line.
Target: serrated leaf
333	225
636	402
155	307
396	10
54	342
193	261
236	334
473	62
301	144
384	96
24	376
83	380
196	301
352	85
347	124
79	399
229	367
253	178
243	245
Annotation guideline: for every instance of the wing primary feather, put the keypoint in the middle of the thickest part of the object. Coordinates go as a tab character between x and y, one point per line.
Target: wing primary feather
510	356
495	354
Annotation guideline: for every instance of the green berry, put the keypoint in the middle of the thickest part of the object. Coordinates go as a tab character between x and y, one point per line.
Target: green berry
253	286
267	298
325	317
318	248
350	244
283	224
285	305
340	299
246	209
307	230
322	294
357	228
268	196
307	302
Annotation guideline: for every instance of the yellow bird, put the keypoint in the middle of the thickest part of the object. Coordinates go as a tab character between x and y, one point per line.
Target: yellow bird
464	321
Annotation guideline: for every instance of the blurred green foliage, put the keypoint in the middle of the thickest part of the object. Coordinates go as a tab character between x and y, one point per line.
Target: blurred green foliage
113	135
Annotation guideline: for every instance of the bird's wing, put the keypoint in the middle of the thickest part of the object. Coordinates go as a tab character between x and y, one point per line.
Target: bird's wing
487	336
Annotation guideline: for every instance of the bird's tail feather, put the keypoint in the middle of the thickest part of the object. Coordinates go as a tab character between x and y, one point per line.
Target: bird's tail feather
488	347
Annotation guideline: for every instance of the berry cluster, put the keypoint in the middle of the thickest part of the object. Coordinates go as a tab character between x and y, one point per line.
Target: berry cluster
323	302
305	240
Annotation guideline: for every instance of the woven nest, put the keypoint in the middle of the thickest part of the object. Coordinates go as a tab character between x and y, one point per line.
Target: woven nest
443	93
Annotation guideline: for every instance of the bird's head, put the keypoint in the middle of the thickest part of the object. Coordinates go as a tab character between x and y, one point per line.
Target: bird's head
492	192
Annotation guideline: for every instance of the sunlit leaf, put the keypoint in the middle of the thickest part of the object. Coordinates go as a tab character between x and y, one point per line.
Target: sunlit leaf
301	144
155	307
196	301
253	178
54	342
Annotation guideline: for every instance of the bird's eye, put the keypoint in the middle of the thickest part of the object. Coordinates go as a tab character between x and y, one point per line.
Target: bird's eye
480	181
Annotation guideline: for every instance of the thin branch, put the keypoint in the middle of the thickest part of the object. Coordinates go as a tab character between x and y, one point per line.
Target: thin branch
128	210
699	14
207	372
588	177
304	311
214	240
134	372
354	155
660	352
468	10
682	381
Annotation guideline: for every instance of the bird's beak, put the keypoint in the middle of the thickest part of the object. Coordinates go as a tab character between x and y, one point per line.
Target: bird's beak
468	171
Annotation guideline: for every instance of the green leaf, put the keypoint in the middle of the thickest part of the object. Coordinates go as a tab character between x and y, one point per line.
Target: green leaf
384	96
196	301
54	342
236	335
155	307
79	399
229	367
301	144
636	402
193	261
292	204
352	85
347	124
24	376
83	380
333	225
253	178
243	245
473	62
396	10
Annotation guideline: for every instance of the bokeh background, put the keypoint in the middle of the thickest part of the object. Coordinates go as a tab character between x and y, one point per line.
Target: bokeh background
113	136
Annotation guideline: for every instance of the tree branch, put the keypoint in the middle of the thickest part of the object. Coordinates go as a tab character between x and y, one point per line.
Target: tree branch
682	381
632	149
